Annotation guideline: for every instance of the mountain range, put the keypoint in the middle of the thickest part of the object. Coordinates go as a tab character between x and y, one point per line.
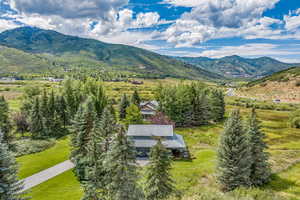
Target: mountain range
39	50
239	67
29	49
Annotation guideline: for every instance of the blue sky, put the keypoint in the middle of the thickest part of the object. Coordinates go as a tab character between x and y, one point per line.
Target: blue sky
212	28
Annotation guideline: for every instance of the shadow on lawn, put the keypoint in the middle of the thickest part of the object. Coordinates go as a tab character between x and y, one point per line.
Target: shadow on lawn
280	184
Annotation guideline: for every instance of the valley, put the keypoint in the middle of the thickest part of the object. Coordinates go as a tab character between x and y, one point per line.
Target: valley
59	91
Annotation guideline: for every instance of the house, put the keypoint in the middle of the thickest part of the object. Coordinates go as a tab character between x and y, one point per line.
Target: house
135	82
148	108
145	137
51	79
8	79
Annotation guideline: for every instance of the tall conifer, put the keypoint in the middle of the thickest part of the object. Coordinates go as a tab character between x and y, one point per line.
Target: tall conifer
260	168
36	121
159	184
234	159
5	124
122	107
82	128
121	168
135	98
10	187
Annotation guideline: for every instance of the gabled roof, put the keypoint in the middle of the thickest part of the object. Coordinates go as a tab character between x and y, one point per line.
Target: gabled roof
152	104
176	141
150	130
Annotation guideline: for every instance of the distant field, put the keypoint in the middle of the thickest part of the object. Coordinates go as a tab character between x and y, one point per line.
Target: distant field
284	85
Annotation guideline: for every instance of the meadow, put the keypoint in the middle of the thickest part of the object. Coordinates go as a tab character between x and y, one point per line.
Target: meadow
195	178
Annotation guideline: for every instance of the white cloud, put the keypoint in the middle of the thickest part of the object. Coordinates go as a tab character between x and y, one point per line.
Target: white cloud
7	24
99	9
147	19
292	21
211	19
75	17
183	3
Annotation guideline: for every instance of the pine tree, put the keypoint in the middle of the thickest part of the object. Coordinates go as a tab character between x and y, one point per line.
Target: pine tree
200	111
104	130
159	184
135	98
120	166
62	111
70	97
234	158
217	105
44	104
51	105
122	107
10	187
36	121
100	100
5	125
133	115
260	168
82	128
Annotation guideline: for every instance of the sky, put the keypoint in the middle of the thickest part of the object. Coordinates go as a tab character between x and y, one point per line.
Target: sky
211	28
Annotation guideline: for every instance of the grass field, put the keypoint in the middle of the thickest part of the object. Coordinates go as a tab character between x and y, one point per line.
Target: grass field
192	176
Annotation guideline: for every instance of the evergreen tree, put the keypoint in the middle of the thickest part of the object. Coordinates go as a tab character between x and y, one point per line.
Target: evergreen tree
120	166
159	184
123	106
95	186
100	100
36	121
260	168
234	159
133	115
10	187
44	104
82	128
51	105
62	111
217	105
5	125
135	98
200	112
70	97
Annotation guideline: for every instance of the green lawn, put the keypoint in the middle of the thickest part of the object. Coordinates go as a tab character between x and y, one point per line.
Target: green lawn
33	163
63	187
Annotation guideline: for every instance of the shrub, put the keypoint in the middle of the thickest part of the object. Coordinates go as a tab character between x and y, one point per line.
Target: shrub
28	146
297	84
295	122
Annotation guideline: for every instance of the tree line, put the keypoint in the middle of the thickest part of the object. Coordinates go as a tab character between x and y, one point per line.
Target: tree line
191	104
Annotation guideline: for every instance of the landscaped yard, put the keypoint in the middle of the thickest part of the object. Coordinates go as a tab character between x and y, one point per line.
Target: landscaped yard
34	163
192	175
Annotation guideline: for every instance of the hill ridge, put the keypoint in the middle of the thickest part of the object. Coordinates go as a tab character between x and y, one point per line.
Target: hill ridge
73	50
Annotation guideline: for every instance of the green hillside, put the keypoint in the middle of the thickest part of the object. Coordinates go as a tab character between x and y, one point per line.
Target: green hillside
70	51
236	66
282	76
13	60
